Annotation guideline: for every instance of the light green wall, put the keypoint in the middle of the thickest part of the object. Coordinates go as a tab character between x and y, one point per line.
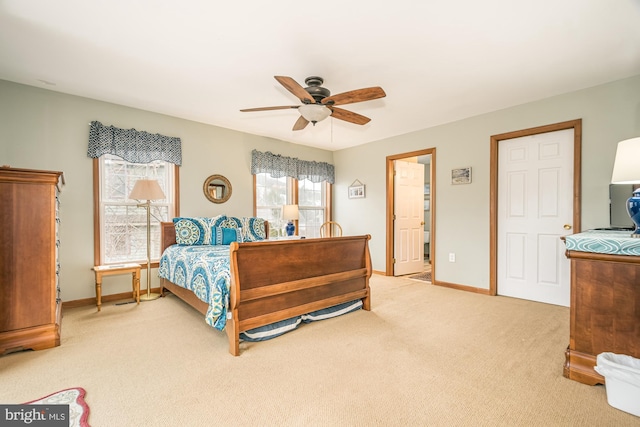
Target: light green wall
42	129
609	113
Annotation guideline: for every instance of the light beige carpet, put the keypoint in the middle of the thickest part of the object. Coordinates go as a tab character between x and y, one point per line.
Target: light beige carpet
424	355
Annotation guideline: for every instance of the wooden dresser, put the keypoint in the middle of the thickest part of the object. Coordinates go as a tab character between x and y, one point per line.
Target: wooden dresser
30	306
605	311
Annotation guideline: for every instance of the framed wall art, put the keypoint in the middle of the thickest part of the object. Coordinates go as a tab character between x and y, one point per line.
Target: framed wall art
356	190
461	176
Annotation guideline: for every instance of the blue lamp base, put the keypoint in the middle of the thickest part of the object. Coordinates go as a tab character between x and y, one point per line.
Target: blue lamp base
633	209
290	228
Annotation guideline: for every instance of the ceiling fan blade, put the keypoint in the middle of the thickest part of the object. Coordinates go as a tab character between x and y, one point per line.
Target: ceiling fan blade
349	116
301	123
358	95
295	88
284	107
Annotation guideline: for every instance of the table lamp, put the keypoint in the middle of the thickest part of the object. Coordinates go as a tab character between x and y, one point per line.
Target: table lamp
626	170
290	213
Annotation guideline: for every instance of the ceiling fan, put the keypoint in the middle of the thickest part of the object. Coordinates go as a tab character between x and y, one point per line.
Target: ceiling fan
318	104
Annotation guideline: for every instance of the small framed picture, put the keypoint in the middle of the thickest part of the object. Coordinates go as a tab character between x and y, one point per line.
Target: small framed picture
356	191
461	176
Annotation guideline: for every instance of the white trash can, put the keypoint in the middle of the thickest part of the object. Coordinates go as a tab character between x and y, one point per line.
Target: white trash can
622	380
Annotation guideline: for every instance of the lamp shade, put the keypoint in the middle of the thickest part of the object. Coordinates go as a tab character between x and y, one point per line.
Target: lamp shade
147	189
626	168
290	212
314	112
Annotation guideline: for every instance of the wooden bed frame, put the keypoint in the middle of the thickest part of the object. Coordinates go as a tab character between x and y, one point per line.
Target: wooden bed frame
274	280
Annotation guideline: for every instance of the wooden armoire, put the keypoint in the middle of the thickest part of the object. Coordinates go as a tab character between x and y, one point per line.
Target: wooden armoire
30	305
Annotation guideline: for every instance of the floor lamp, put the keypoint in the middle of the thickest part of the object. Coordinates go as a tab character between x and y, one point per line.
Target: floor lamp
147	189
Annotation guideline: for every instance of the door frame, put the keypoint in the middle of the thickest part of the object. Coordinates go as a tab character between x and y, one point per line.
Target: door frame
576	125
390	208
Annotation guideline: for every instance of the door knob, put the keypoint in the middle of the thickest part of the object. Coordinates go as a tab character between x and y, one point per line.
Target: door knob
567	227
422	223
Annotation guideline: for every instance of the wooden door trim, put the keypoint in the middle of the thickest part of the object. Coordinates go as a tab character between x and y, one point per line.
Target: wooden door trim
576	125
390	198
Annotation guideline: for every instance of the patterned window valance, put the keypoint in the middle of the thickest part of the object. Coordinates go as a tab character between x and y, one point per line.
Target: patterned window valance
132	145
279	166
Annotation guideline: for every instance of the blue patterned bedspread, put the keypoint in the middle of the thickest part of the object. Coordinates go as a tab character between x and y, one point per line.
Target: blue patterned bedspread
204	270
604	242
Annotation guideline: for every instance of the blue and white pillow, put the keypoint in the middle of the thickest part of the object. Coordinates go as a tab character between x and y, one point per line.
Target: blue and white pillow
196	230
217	221
253	229
192	231
226	236
230	222
273	330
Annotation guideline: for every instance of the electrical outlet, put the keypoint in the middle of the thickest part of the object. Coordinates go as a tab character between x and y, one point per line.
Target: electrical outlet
452	257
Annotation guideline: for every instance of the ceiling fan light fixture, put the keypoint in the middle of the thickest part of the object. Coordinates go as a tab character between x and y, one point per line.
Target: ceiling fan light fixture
314	112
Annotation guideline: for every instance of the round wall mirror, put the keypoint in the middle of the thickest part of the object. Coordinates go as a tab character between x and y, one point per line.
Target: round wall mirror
217	189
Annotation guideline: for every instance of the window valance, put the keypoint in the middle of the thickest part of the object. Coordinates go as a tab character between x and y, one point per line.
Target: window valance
132	145
278	166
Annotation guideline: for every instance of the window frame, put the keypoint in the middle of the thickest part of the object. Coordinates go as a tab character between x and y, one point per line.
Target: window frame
97	218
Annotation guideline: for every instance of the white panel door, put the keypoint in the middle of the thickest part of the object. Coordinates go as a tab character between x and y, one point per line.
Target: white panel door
408	226
535	202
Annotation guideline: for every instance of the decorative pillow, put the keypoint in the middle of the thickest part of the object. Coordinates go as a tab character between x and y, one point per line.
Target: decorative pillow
196	230
336	310
271	331
217	221
192	231
225	236
230	222
253	229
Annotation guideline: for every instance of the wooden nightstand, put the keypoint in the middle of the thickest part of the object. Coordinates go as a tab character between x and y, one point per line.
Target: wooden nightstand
109	270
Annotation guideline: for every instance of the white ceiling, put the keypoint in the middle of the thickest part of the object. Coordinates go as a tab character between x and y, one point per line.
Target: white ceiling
202	60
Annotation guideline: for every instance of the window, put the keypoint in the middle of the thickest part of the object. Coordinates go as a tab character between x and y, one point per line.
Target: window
270	195
312	200
312	203
121	226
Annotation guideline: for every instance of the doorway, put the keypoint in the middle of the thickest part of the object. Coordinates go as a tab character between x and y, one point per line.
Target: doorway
531	255
427	202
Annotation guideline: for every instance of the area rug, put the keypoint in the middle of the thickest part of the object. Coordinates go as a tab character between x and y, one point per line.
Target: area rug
74	397
425	277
